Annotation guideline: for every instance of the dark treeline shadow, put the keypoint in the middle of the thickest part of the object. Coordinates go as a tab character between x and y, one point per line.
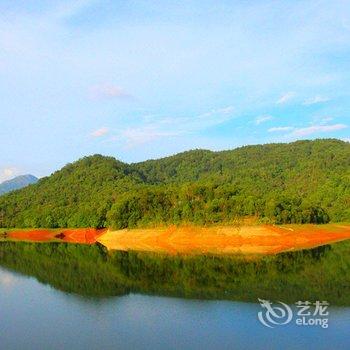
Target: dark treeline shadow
315	274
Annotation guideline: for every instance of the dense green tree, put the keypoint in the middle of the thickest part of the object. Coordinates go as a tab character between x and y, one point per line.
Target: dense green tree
299	182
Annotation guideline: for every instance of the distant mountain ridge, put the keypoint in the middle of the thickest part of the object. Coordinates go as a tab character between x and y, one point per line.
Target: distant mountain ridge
299	182
17	183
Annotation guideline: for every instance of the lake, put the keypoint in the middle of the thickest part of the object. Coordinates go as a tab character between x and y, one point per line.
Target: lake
75	296
37	316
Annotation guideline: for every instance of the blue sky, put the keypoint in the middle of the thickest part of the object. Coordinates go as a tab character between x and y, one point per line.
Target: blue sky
145	79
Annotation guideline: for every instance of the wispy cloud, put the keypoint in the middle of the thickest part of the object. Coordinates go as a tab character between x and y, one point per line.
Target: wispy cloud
325	120
109	91
156	127
71	45
286	98
65	10
280	128
8	280
132	137
8	173
213	116
195	123
318	129
262	119
100	132
314	100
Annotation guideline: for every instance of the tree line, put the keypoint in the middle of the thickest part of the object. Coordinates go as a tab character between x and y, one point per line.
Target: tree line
299	182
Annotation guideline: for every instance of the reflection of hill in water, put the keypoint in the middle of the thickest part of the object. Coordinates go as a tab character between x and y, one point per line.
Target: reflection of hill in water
316	274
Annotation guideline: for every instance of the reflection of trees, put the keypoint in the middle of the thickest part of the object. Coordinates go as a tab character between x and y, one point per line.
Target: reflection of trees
315	274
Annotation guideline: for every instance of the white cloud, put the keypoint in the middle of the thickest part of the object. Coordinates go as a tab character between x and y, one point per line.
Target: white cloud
317	129
156	127
7	280
262	119
315	100
325	120
321	120
205	120
8	173
280	128
100	132
286	98
65	10
346	139
194	123
138	136
216	112
257	62
109	91
224	110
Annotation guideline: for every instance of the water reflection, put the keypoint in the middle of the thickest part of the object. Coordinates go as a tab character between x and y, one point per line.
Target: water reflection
92	271
36	316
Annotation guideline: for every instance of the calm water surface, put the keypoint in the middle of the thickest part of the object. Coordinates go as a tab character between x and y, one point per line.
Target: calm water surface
36	316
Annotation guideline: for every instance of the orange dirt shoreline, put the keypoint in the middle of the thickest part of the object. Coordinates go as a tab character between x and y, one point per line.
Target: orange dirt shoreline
244	239
258	239
79	235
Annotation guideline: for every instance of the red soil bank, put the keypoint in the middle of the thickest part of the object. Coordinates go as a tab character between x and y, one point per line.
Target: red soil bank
32	235
263	239
80	235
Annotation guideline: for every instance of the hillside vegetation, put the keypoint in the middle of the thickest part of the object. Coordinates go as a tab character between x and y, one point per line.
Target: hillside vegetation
299	182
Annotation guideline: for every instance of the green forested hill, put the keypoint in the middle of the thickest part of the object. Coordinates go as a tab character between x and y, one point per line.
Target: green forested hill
303	181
